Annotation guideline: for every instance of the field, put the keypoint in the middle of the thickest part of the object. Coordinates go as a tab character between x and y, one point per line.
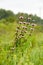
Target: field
29	52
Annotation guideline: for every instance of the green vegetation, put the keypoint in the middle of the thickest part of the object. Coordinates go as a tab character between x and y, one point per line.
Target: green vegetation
17	45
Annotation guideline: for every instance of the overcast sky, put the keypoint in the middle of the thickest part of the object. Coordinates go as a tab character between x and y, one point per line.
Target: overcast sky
28	6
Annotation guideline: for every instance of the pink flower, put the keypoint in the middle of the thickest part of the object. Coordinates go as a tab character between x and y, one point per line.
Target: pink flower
21	17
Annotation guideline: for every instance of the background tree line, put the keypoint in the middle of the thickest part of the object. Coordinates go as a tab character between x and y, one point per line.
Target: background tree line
9	16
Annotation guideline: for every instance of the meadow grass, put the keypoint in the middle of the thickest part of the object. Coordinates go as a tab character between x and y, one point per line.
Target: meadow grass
29	52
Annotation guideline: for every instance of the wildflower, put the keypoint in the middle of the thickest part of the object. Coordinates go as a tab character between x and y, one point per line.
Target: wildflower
24	22
20	22
29	18
25	31
24	27
31	29
32	24
16	38
21	17
22	36
18	27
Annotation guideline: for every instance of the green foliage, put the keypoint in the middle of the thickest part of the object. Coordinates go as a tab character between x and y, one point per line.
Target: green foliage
11	17
7	15
30	48
29	53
